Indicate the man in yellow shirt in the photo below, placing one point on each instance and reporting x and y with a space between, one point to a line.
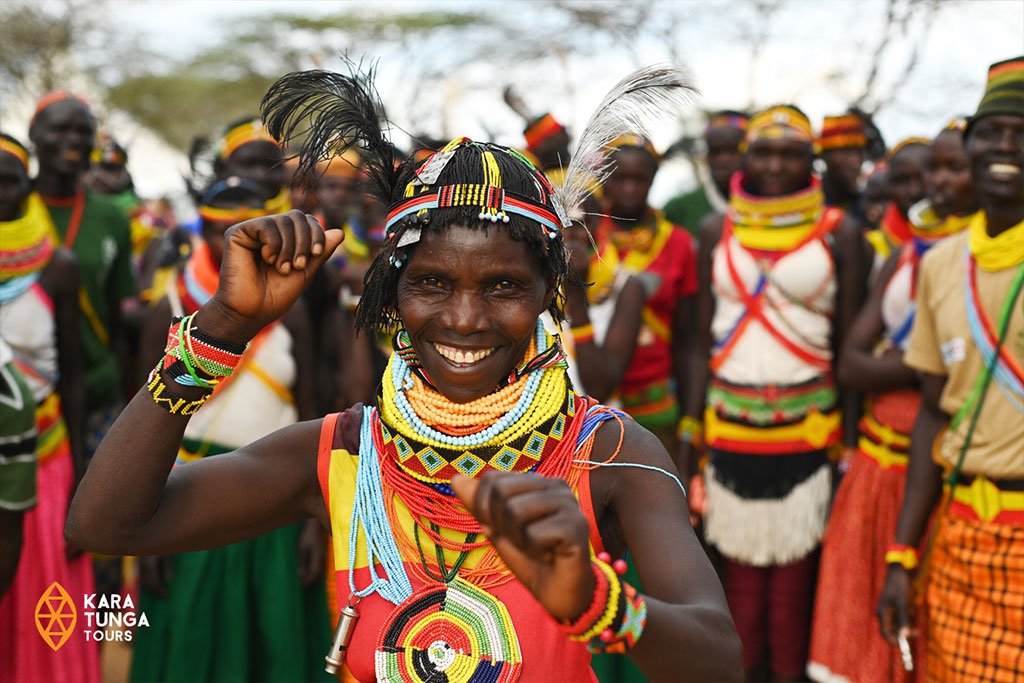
968 441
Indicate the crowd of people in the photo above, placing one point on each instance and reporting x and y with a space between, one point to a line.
522 364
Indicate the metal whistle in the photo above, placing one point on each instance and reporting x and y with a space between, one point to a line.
346 623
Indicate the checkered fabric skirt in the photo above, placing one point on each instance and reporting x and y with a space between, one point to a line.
975 599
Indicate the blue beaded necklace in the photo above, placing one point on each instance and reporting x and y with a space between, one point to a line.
402 380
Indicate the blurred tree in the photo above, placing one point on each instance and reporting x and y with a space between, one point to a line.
35 44
226 82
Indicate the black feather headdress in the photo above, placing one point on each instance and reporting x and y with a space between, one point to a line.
330 113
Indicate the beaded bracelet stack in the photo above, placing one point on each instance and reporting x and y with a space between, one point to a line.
904 555
616 617
192 358
690 430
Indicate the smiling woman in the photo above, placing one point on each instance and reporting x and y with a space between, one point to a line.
473 529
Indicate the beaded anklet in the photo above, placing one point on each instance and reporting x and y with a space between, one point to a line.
616 617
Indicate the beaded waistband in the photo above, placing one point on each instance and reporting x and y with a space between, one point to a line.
883 444
771 404
815 431
981 499
653 405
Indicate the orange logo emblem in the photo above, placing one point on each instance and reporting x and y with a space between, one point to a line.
55 616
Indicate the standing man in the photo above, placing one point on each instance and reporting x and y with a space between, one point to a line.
63 131
722 136
968 441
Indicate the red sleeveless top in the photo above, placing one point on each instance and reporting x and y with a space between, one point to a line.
547 654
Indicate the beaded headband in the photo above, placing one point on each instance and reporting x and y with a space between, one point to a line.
631 140
778 123
959 123
237 215
345 165
109 156
540 130
215 215
727 121
242 134
53 97
906 143
15 150
842 131
108 151
495 202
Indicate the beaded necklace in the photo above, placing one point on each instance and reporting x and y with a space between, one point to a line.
773 226
540 431
1006 370
895 228
640 245
602 270
27 242
511 429
927 228
432 509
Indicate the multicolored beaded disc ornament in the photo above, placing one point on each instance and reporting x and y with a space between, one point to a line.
452 632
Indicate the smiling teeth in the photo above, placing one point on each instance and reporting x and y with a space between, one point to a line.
460 356
1004 169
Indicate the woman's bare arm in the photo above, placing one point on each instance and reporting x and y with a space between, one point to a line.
690 634
538 529
859 369
61 281
851 276
131 502
700 349
601 366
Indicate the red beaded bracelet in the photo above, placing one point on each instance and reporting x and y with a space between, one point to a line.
616 616
585 621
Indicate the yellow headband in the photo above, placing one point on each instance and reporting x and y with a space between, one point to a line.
906 143
15 150
238 215
631 140
778 123
345 165
242 134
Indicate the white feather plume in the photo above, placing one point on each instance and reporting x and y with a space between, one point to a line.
651 94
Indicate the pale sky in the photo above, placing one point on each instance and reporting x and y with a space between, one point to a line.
817 59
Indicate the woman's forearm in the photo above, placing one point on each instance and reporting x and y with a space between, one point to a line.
132 464
924 483
862 371
688 643
602 366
